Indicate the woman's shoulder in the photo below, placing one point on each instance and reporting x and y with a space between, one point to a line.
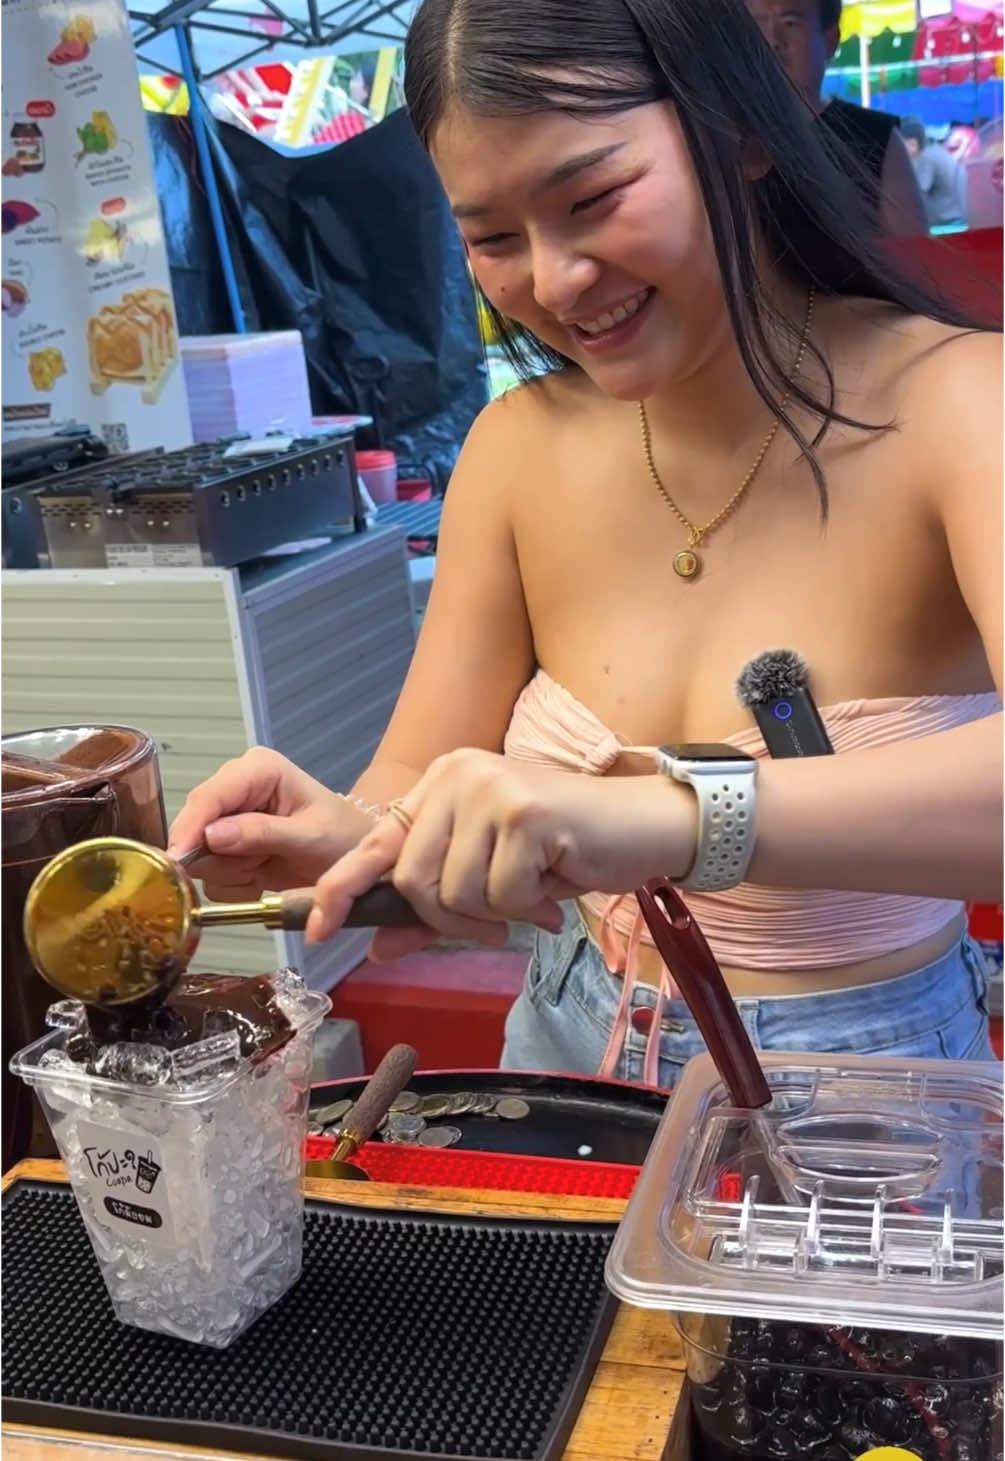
539 408
520 438
920 368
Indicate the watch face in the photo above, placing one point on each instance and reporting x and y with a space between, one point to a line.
705 751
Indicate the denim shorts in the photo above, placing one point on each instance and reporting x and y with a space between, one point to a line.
563 1018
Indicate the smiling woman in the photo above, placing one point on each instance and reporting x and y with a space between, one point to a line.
742 442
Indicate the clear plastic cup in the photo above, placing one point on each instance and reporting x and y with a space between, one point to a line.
191 1190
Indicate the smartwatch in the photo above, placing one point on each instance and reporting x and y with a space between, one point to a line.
724 781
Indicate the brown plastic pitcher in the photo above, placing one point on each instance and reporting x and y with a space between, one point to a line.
61 785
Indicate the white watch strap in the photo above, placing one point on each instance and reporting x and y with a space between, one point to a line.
726 822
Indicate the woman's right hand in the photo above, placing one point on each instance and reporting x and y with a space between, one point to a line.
268 825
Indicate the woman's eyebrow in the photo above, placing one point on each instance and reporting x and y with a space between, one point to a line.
571 168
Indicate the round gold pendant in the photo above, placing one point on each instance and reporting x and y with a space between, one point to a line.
686 563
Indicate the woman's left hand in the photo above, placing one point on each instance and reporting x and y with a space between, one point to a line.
492 840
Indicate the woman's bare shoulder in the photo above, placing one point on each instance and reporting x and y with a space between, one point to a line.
917 370
546 404
903 344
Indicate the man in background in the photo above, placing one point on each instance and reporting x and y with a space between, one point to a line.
804 35
937 172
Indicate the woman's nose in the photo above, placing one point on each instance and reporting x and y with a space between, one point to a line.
561 278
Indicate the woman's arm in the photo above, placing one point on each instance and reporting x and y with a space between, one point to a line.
268 824
475 651
923 816
496 839
918 817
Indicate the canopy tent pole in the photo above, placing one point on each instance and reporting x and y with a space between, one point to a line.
195 106
864 52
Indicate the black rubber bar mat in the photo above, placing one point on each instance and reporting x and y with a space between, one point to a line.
408 1335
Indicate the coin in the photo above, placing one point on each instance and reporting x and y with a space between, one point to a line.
484 1105
403 1127
440 1136
315 1131
462 1103
406 1101
328 1115
512 1108
434 1106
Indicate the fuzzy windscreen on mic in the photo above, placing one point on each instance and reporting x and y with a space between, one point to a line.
774 675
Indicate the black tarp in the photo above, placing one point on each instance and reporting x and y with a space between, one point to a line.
354 247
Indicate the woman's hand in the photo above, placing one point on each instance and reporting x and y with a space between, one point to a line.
268 825
492 840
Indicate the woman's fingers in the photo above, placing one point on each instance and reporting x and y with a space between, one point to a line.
245 784
353 874
395 943
518 886
414 859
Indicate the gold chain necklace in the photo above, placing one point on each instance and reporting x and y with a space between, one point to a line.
687 563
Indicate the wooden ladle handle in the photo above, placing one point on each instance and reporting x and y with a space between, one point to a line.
381 907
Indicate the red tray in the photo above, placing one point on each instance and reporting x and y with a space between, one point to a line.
495 1171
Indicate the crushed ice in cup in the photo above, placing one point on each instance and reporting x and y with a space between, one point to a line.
292 995
211 1133
217 1055
133 1063
66 1014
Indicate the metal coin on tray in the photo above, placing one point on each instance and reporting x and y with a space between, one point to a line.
403 1126
328 1115
462 1104
434 1106
406 1102
315 1130
440 1136
512 1108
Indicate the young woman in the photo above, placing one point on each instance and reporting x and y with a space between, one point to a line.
740 444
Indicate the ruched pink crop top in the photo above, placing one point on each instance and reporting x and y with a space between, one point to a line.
752 927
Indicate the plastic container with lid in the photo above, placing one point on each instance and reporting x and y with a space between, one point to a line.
865 1315
378 471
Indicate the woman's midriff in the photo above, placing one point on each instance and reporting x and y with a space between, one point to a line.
774 984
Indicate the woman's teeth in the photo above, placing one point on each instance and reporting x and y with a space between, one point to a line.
615 316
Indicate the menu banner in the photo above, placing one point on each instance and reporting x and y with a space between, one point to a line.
89 330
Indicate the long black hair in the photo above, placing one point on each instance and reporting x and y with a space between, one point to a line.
594 57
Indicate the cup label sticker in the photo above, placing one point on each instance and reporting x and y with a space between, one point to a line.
126 1179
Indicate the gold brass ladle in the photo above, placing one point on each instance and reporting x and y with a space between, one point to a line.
113 922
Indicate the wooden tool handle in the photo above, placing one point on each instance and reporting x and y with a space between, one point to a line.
388 1081
382 907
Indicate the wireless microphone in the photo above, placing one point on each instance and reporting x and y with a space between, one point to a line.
774 687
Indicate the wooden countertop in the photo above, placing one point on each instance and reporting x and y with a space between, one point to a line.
627 1412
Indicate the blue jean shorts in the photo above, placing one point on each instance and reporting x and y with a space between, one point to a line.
563 1018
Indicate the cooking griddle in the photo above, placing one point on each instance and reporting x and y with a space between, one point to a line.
408 1335
572 1117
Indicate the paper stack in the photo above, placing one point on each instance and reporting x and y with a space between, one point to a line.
254 383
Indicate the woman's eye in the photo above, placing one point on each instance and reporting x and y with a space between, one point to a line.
491 240
586 204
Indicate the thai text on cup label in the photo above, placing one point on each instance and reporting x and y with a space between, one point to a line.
127 1182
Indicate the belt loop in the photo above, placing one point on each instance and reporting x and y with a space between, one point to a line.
977 967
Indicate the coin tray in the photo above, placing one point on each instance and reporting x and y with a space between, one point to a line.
408 1335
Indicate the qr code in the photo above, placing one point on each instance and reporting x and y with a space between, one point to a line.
115 435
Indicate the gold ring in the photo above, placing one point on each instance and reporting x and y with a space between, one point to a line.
396 810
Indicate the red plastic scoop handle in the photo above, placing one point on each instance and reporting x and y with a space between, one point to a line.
683 949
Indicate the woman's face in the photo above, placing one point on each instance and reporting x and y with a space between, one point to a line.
591 232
